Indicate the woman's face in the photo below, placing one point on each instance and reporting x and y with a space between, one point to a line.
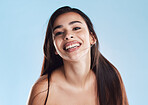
71 36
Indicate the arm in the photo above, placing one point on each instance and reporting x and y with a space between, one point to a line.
38 92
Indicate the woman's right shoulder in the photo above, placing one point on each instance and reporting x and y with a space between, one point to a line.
42 79
41 84
39 91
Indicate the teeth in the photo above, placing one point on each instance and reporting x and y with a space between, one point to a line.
72 46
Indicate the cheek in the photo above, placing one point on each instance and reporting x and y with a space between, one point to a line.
57 43
84 36
83 33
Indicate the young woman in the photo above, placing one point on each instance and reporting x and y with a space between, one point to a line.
74 72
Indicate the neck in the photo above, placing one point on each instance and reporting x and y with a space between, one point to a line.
78 73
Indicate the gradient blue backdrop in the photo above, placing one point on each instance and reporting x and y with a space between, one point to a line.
121 26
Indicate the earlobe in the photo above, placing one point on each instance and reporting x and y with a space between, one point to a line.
92 39
93 43
56 53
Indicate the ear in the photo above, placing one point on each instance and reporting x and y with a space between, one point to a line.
92 39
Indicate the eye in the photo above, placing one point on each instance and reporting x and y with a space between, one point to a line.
59 33
76 28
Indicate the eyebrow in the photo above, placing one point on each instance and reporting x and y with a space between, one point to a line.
74 22
60 26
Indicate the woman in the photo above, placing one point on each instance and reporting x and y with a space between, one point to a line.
74 72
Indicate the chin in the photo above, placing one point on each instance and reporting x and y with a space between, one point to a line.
77 57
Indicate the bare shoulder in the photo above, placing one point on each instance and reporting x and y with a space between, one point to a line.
39 91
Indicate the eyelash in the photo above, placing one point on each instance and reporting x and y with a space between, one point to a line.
59 33
74 29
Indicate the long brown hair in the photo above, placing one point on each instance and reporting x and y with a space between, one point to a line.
110 88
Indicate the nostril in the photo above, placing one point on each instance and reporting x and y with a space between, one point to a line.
68 38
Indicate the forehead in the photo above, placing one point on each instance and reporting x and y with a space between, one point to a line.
68 17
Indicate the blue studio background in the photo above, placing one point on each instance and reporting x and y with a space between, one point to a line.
121 26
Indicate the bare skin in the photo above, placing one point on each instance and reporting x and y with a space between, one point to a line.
74 83
63 93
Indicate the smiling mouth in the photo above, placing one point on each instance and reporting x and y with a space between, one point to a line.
72 46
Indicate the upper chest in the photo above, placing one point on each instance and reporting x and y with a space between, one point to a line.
61 96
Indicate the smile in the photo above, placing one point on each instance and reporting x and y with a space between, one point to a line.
72 46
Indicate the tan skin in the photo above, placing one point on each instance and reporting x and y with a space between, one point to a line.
74 83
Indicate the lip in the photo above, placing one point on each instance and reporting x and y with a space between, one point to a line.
70 43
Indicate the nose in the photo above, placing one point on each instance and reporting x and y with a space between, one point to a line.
68 36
